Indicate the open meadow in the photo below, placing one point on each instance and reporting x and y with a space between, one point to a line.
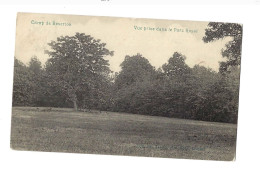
64 130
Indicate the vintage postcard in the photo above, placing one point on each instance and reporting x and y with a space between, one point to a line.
126 86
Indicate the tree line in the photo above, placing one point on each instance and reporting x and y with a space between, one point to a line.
77 75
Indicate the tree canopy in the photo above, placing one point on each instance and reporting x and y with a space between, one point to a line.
77 62
176 66
78 75
133 69
35 65
232 50
23 84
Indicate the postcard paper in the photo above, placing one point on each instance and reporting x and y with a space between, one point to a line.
126 86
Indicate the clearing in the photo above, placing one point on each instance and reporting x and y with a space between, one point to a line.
64 130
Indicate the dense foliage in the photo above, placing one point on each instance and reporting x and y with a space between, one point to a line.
232 50
77 67
77 75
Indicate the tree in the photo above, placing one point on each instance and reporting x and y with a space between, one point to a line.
37 79
23 84
232 85
201 83
77 62
225 97
214 96
232 51
134 68
176 66
132 83
35 65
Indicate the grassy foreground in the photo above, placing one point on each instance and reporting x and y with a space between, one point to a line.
64 130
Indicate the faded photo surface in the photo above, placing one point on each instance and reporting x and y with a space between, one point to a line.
126 86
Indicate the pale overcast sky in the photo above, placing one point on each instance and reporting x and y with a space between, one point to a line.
121 37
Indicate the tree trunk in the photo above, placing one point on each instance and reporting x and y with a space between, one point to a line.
73 97
75 105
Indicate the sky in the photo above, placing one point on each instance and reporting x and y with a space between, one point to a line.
121 36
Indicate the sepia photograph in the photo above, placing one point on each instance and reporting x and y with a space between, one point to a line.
126 86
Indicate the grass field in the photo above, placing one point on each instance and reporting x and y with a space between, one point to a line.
64 130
